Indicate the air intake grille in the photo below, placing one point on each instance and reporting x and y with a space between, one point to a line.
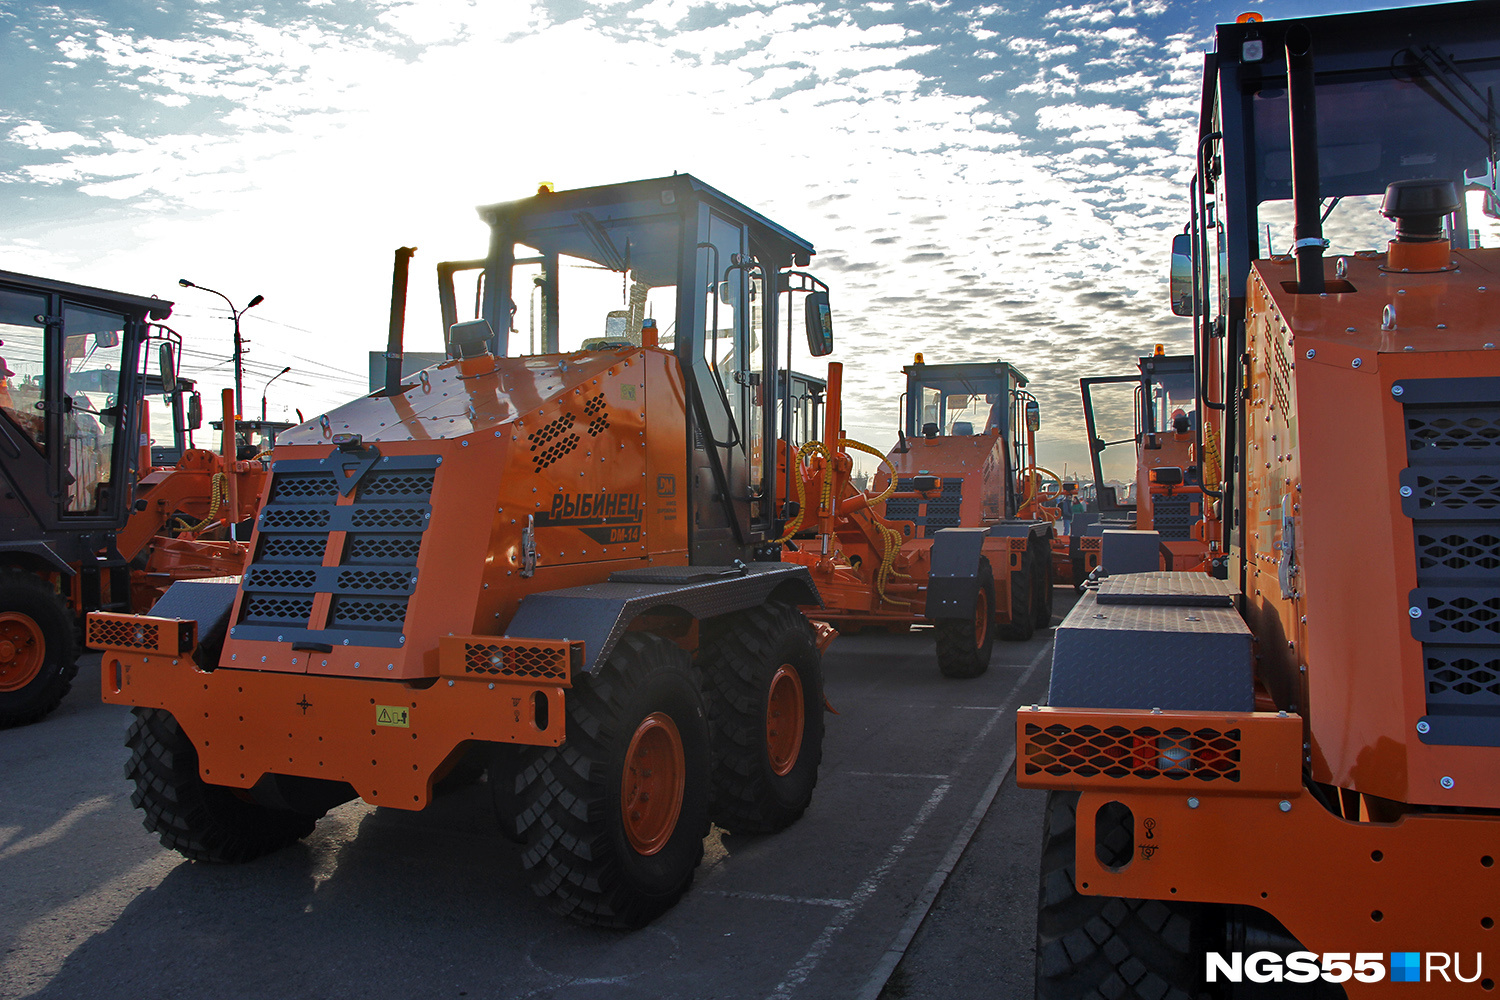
552 442
373 573
1451 492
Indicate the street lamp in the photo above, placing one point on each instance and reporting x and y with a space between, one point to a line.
263 395
239 349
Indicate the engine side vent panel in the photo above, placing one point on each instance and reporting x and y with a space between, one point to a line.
1451 492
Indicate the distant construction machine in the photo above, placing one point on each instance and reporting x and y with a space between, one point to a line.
77 531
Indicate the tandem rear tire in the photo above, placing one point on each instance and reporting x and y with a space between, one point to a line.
198 820
1022 624
614 819
964 645
1104 946
1042 584
38 648
764 683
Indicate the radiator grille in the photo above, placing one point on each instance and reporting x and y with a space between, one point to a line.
380 527
1451 492
940 510
1453 430
1461 676
1200 755
1173 517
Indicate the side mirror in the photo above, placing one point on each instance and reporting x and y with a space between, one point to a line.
107 338
819 316
167 364
1033 416
1182 275
195 412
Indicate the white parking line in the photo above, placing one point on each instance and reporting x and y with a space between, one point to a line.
895 774
775 897
902 941
809 962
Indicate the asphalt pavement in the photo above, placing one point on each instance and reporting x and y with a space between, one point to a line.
913 874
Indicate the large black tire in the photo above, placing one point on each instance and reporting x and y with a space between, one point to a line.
1042 579
764 681
581 855
38 648
198 820
1022 624
1104 946
964 645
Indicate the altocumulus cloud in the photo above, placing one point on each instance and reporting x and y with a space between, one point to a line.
984 181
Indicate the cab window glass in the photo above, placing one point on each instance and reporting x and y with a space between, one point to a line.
21 362
93 345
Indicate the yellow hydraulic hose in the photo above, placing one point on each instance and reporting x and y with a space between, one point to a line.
220 492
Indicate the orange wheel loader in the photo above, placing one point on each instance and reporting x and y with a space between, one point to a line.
559 564
1287 783
81 518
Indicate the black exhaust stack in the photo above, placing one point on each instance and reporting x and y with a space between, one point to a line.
393 346
1302 117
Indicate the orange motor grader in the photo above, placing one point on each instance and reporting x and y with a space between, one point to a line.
936 540
1156 412
1287 782
562 564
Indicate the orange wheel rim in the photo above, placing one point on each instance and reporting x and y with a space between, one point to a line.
981 617
651 787
22 650
784 719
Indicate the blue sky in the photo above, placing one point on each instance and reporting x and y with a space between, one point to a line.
997 180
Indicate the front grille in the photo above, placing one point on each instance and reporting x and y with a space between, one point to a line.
1451 492
939 510
1452 431
373 570
1173 516
1461 676
1176 754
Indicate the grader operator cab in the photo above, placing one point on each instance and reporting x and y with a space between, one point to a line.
562 564
1155 413
1289 777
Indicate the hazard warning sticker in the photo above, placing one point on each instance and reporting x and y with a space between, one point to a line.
393 715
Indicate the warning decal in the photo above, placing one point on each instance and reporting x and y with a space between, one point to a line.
393 715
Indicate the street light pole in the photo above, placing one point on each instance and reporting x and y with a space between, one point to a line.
239 346
263 395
